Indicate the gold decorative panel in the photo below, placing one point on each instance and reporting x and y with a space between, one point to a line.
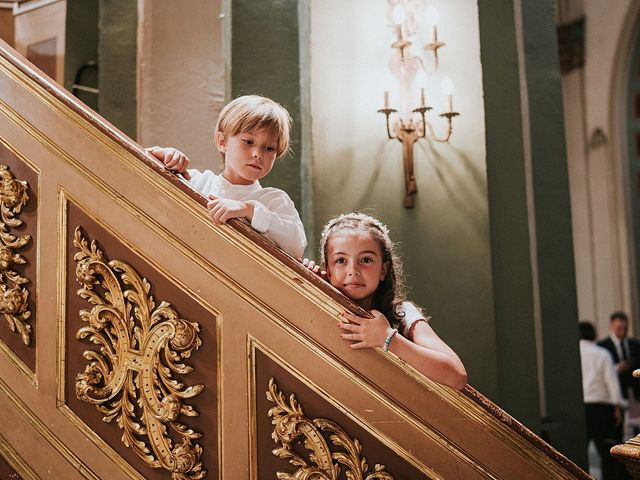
291 424
326 436
130 379
14 302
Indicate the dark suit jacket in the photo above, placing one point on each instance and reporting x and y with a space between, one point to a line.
626 378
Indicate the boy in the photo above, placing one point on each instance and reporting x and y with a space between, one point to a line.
251 133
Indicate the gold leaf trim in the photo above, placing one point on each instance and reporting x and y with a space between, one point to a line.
141 346
14 298
290 424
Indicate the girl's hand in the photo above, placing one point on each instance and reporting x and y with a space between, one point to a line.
222 209
311 265
365 332
172 158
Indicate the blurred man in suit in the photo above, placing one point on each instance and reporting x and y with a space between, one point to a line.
625 353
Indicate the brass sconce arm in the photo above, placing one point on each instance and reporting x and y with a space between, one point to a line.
408 133
423 120
447 136
388 112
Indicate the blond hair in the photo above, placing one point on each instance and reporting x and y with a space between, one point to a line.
390 293
254 112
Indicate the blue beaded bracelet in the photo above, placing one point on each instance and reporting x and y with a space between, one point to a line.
385 347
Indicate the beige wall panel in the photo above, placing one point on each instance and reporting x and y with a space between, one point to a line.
24 441
12 466
581 201
7 25
181 77
39 25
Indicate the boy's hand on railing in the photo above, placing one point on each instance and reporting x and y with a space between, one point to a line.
223 209
311 265
172 158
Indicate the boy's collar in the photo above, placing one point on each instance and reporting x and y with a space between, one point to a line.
252 186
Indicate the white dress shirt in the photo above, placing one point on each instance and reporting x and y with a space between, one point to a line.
274 213
599 378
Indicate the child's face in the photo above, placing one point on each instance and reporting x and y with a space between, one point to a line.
248 156
355 266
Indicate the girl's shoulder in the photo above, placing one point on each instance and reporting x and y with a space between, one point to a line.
408 314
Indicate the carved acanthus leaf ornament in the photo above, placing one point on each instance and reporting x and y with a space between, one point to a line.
131 377
290 424
14 298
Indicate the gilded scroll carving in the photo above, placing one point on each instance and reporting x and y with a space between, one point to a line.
131 377
14 301
290 424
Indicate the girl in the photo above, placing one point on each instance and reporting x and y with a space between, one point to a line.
361 262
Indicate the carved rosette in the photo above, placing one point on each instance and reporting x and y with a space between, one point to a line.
290 424
14 298
130 378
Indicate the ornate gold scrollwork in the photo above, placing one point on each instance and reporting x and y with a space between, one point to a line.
291 424
14 298
130 379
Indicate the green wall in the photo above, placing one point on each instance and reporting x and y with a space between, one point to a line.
531 243
554 242
81 46
106 33
509 218
117 53
265 60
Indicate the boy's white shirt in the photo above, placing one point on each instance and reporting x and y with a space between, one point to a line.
274 213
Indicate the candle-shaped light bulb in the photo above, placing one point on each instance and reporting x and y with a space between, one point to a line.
432 19
422 100
447 86
432 15
447 89
421 78
398 14
386 99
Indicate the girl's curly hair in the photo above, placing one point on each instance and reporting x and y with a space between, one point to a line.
391 291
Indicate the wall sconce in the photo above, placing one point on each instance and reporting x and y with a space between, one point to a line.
411 124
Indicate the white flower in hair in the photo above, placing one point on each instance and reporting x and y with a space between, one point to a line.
345 218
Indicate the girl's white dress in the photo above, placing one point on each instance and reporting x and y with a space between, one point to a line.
412 314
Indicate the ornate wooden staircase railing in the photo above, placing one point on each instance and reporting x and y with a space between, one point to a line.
141 341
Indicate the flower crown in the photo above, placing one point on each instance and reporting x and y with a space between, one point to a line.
363 217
